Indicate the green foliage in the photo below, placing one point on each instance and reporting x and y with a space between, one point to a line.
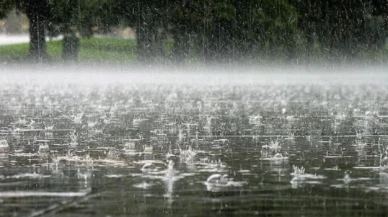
8 5
77 16
225 11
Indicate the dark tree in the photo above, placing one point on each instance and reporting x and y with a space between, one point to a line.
38 12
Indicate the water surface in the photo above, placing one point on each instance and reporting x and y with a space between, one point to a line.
186 150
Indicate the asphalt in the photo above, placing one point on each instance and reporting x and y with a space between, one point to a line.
6 39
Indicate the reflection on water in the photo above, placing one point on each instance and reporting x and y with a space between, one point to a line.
160 151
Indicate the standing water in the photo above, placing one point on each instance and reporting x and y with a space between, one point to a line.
164 148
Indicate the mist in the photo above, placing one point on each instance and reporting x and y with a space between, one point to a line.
105 74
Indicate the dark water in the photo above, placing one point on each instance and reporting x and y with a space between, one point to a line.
285 150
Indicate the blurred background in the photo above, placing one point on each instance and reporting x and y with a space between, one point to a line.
192 31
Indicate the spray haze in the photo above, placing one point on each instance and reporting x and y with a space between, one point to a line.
214 75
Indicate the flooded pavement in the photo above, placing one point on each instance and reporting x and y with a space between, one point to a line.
6 39
180 150
10 39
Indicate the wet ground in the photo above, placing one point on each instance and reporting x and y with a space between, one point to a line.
178 150
6 39
9 39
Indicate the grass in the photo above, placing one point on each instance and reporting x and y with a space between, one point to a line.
109 50
114 50
13 52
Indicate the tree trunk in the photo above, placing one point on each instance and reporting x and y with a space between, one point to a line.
71 44
144 44
181 46
37 38
211 45
144 33
37 12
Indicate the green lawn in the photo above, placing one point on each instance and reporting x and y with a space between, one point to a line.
108 50
114 50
